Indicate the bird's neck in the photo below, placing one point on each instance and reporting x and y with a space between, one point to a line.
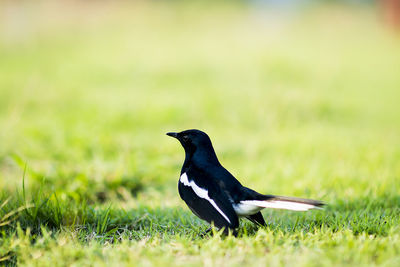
201 158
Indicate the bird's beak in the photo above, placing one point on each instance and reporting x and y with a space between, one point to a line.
172 134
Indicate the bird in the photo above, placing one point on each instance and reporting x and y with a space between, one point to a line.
214 195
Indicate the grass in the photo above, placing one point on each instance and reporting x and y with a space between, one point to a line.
297 103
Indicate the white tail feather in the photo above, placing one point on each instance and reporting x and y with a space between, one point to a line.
280 204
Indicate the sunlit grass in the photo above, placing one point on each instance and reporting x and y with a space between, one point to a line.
297 103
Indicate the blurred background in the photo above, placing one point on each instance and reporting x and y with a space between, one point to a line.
299 97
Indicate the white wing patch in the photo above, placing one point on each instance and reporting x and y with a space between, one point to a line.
201 193
278 204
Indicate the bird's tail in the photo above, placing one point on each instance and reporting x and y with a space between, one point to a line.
287 203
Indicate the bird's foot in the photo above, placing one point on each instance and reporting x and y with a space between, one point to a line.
206 232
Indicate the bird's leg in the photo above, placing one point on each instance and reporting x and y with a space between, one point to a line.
226 231
234 232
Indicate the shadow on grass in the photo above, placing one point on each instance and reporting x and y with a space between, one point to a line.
106 223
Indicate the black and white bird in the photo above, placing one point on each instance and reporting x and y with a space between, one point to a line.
214 195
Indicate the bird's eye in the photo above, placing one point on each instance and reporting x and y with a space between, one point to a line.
185 138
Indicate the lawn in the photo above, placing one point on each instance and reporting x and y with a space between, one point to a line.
300 102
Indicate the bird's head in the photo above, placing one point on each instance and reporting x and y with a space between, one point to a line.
195 141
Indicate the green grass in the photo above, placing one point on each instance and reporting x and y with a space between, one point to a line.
301 104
